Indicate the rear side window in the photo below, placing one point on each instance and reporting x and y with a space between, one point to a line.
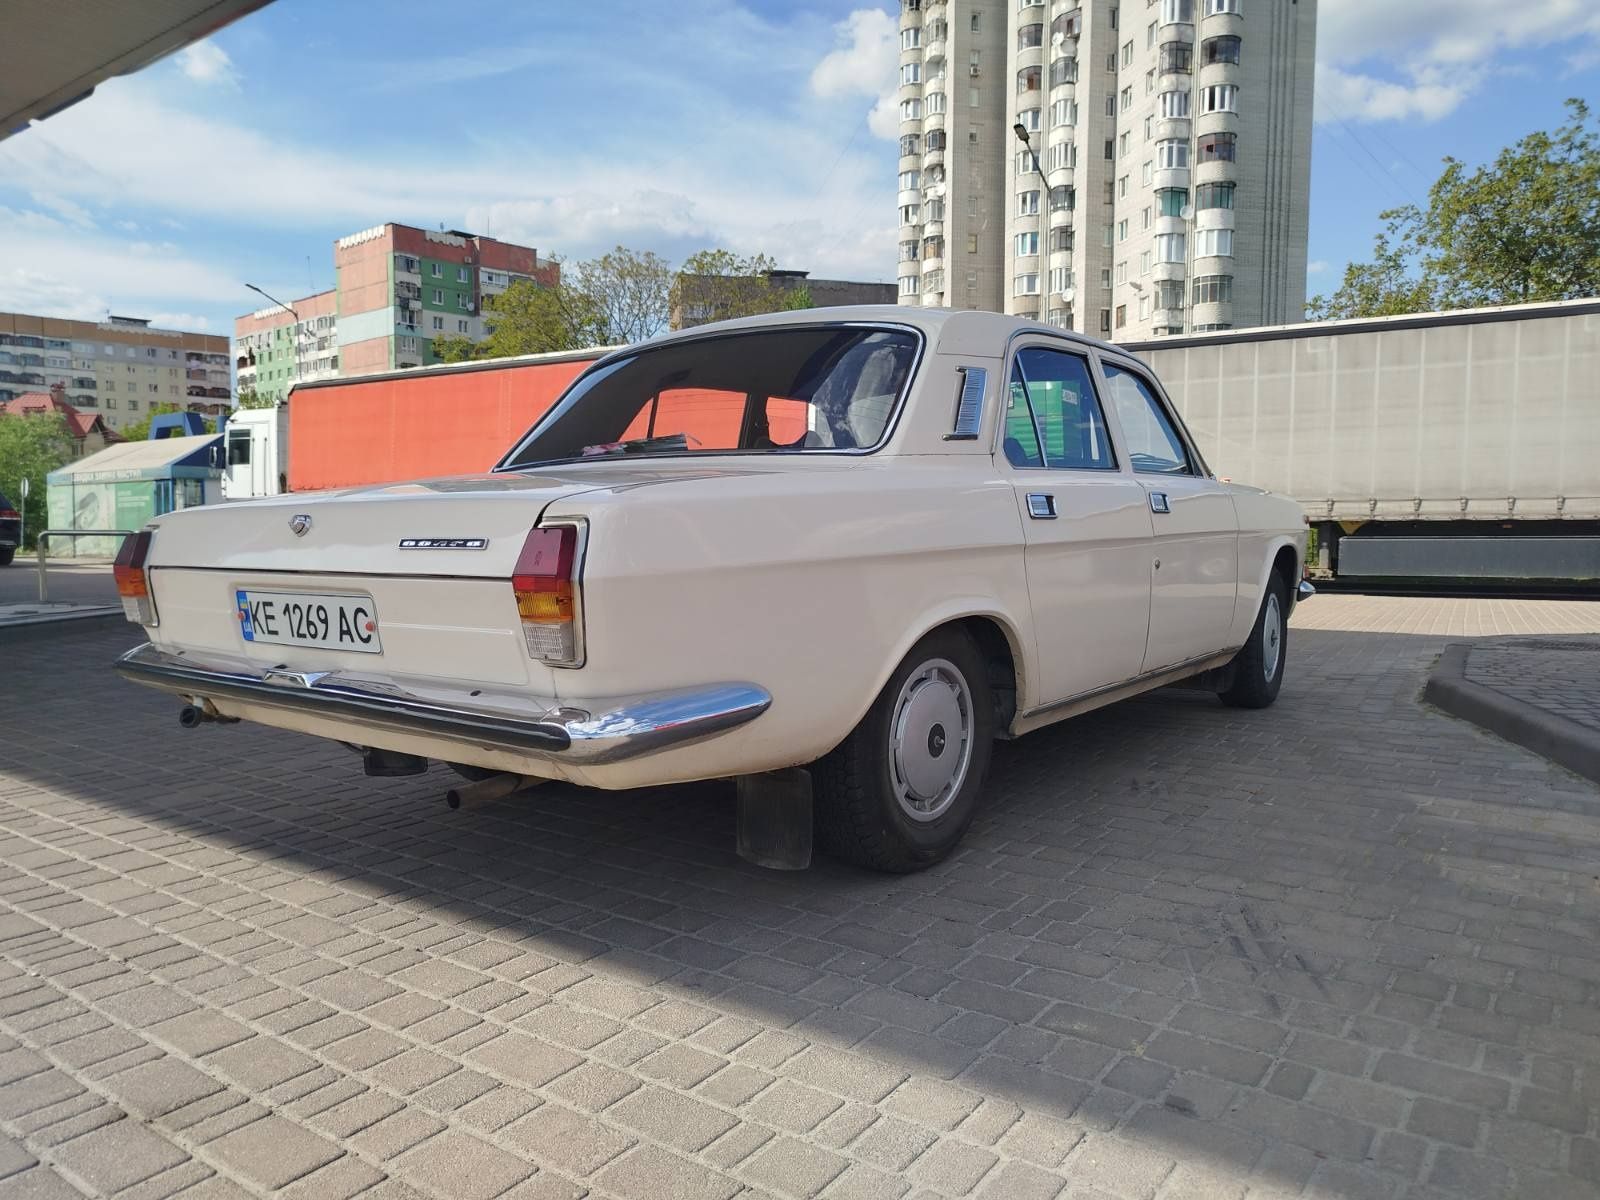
1154 446
1053 416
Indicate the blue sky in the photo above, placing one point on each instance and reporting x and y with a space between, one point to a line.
758 126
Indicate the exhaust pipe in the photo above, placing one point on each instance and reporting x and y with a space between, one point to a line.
192 716
487 791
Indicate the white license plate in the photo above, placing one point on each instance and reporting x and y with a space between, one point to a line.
309 619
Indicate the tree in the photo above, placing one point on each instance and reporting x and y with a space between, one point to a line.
253 399
720 285
529 319
631 289
1522 229
454 348
31 447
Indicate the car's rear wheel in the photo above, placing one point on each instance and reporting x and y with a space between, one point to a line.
900 791
1258 667
7 553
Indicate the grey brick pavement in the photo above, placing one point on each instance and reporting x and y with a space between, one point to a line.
1343 947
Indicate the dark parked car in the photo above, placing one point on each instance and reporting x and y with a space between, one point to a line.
10 531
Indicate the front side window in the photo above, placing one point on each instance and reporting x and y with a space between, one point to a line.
1154 446
1053 416
786 390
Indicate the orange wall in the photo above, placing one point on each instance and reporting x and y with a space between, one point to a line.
416 426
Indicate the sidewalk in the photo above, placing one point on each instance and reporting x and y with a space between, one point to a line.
1541 693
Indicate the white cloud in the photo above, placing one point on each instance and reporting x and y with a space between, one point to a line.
208 63
1386 60
863 64
1316 266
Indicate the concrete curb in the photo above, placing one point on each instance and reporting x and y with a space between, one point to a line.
27 629
1556 738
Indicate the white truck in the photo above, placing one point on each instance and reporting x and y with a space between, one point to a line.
257 441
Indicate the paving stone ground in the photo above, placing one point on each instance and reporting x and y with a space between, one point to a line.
1344 947
1559 676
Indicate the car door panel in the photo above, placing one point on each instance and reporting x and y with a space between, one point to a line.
1195 548
1086 528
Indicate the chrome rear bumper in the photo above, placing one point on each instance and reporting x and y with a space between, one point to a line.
576 732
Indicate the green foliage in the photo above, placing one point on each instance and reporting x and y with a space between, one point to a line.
1522 229
253 399
529 319
631 289
728 285
32 447
454 348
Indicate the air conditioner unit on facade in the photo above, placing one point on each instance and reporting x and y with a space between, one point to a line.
973 70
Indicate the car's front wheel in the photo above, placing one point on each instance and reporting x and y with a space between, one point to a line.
1258 667
900 791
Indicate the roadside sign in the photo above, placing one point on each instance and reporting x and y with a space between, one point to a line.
24 487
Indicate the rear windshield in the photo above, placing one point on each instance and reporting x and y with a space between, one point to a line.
791 390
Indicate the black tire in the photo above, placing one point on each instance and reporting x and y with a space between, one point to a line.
7 553
860 815
1254 686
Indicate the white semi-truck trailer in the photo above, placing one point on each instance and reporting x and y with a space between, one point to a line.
256 441
1455 445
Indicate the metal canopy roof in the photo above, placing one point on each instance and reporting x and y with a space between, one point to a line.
54 52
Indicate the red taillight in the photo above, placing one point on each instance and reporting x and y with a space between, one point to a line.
545 583
10 514
132 585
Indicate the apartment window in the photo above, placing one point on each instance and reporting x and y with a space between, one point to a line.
1144 306
1111 192
1030 36
1028 79
1127 54
1122 230
911 110
909 284
1028 204
1144 262
1122 272
111 402
1144 217
936 103
933 281
1173 104
1105 278
908 214
1169 294
1172 153
133 406
1213 195
908 145
1061 110
1063 70
1213 243
1170 201
1111 61
1061 240
1105 320
1213 289
1024 161
933 210
1111 104
910 39
1122 315
1025 4
1067 24
1063 156
1177 11
1149 128
1219 97
976 24
935 140
153 387
909 251
1150 36
1215 8
1219 50
1060 280
933 247
1105 234
1122 145
461 275
1169 247
1177 58
972 135
972 98
1147 173
972 243
438 295
1122 186
910 73
1215 147
438 322
1111 149
1213 328
908 183
1150 82
463 300
1062 198
1026 284
1030 118
437 270
1127 98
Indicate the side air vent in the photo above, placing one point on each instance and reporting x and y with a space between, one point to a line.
969 406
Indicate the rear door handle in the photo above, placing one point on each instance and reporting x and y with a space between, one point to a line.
1158 503
1041 506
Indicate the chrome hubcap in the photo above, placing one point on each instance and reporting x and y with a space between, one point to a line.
1272 637
930 739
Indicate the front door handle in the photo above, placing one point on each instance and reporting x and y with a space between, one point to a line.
1041 506
1158 503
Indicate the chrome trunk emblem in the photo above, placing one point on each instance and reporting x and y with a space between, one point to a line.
300 522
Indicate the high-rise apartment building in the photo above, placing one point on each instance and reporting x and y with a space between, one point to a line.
1164 184
119 368
398 287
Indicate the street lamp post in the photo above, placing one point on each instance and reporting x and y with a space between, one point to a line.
294 331
1042 257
